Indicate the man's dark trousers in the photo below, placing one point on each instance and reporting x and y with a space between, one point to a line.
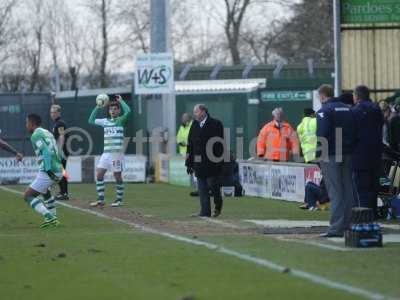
366 184
63 184
204 186
314 193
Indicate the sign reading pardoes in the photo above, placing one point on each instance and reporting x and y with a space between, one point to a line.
154 74
370 11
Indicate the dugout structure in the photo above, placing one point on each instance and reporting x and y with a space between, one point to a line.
238 102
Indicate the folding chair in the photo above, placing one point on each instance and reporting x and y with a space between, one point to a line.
387 189
396 182
389 192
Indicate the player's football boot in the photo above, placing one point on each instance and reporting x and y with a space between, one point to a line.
50 221
99 204
62 197
117 203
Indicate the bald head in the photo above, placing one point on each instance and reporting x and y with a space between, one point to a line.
186 118
278 114
200 112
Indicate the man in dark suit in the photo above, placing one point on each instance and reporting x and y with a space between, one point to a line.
367 156
205 157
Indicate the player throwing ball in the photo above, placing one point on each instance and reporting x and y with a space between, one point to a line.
50 171
113 157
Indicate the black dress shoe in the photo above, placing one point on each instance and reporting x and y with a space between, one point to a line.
199 216
330 235
217 213
194 194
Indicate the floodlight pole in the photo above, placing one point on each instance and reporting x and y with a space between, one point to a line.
161 43
338 46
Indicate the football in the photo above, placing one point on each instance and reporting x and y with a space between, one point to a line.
102 100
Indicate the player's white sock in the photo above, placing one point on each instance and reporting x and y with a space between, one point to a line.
100 187
38 206
50 203
120 191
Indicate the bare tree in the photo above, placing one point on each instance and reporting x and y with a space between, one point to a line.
306 36
74 48
7 28
134 15
235 11
33 40
234 17
102 11
261 43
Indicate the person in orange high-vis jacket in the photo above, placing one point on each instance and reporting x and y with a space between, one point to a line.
277 139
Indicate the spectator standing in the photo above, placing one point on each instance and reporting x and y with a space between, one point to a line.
205 158
277 139
367 156
347 98
59 132
335 125
389 155
307 132
394 127
183 133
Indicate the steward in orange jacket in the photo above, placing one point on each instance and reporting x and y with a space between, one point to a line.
277 139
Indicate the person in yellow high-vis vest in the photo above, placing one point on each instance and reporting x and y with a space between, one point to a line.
306 131
183 133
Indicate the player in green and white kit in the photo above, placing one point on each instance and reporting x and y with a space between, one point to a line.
113 155
50 171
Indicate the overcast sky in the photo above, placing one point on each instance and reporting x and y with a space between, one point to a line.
208 24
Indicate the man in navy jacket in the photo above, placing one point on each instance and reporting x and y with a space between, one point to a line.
367 156
336 135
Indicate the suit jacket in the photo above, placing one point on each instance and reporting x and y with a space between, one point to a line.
204 165
368 148
332 116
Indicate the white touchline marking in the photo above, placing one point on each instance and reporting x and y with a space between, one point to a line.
100 233
279 223
312 243
221 249
288 223
317 244
221 223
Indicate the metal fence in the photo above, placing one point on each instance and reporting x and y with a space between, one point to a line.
13 111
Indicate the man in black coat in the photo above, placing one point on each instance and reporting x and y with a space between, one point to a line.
205 157
59 132
367 156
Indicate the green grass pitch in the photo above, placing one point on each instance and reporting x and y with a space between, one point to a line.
89 257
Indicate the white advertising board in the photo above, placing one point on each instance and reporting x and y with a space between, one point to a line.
134 169
154 74
276 181
255 179
13 172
